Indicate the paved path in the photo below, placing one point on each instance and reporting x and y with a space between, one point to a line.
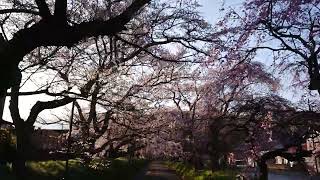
291 176
157 170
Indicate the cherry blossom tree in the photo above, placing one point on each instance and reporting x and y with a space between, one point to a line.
195 103
78 43
288 31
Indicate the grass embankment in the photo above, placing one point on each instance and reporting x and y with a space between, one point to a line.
119 169
188 172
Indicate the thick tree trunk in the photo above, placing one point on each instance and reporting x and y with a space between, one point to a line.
19 168
263 170
215 165
196 160
19 162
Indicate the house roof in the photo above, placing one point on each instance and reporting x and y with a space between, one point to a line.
59 131
5 122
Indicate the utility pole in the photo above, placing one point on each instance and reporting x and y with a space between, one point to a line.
3 94
2 102
69 141
315 157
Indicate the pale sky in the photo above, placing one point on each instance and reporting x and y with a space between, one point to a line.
213 9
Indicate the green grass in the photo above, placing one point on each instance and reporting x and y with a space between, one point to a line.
187 172
119 169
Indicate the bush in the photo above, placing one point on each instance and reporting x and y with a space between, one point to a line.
7 144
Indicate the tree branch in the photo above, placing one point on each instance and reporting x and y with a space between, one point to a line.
49 33
60 10
40 106
28 11
43 9
14 106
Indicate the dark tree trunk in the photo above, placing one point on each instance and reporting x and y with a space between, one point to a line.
19 162
19 168
215 165
196 161
215 161
22 134
263 170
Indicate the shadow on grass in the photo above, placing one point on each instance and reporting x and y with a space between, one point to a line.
188 172
153 177
119 169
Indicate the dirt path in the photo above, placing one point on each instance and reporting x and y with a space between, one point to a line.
157 170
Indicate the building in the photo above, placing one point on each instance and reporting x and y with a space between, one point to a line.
49 139
6 125
313 162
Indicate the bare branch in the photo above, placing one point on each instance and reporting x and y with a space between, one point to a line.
40 106
27 11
